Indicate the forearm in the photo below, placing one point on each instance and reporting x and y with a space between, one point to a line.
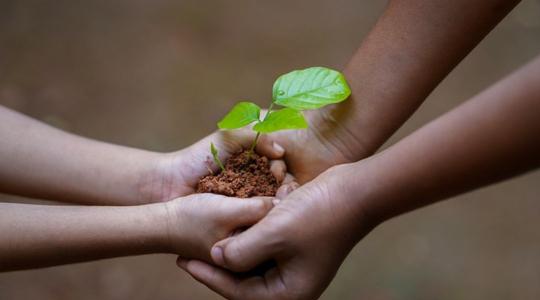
489 138
37 160
34 236
413 46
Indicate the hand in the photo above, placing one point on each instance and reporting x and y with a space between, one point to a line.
324 144
176 174
196 222
307 235
307 153
48 235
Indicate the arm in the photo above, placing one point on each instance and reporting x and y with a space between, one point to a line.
489 138
492 137
37 160
34 236
42 236
412 47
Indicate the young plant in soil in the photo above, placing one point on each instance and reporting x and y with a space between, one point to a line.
246 174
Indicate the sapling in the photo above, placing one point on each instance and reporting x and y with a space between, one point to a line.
299 90
214 152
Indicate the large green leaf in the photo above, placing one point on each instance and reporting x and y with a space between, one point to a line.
242 114
310 88
286 118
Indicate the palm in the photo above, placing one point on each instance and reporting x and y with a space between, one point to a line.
307 253
176 174
305 155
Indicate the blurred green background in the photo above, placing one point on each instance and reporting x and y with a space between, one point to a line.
159 74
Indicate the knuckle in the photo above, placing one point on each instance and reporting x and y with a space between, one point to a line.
233 257
261 207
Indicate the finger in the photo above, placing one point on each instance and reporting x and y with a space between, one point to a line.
288 186
278 169
227 284
245 251
218 280
245 212
181 263
288 178
267 147
282 192
286 189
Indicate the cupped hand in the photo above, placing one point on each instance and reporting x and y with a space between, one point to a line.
307 235
176 174
325 143
198 221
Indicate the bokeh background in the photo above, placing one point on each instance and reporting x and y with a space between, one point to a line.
159 74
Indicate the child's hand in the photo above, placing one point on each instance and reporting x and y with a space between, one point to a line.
176 174
198 221
307 236
48 235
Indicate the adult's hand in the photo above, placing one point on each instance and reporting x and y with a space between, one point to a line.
413 46
307 235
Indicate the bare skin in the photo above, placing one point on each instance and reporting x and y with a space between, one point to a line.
37 160
413 46
410 50
389 80
489 138
33 236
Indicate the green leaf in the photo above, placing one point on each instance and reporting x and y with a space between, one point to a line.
242 114
310 88
286 118
214 152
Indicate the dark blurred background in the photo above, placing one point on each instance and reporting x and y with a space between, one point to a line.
159 74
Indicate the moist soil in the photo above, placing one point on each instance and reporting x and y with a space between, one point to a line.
246 175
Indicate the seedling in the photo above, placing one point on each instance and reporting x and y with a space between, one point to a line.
299 90
216 157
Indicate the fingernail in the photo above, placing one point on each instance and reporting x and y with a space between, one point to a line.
277 147
276 201
217 256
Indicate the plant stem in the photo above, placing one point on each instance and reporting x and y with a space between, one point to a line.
254 144
214 152
220 164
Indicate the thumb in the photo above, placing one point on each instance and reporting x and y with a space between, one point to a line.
239 212
245 251
269 148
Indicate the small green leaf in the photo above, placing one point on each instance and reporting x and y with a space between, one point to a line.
310 88
214 152
213 149
242 114
286 118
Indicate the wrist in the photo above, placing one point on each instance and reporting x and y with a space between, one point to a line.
155 177
167 176
152 225
353 191
331 128
119 175
183 232
373 190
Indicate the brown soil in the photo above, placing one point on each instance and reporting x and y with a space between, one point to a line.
245 176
